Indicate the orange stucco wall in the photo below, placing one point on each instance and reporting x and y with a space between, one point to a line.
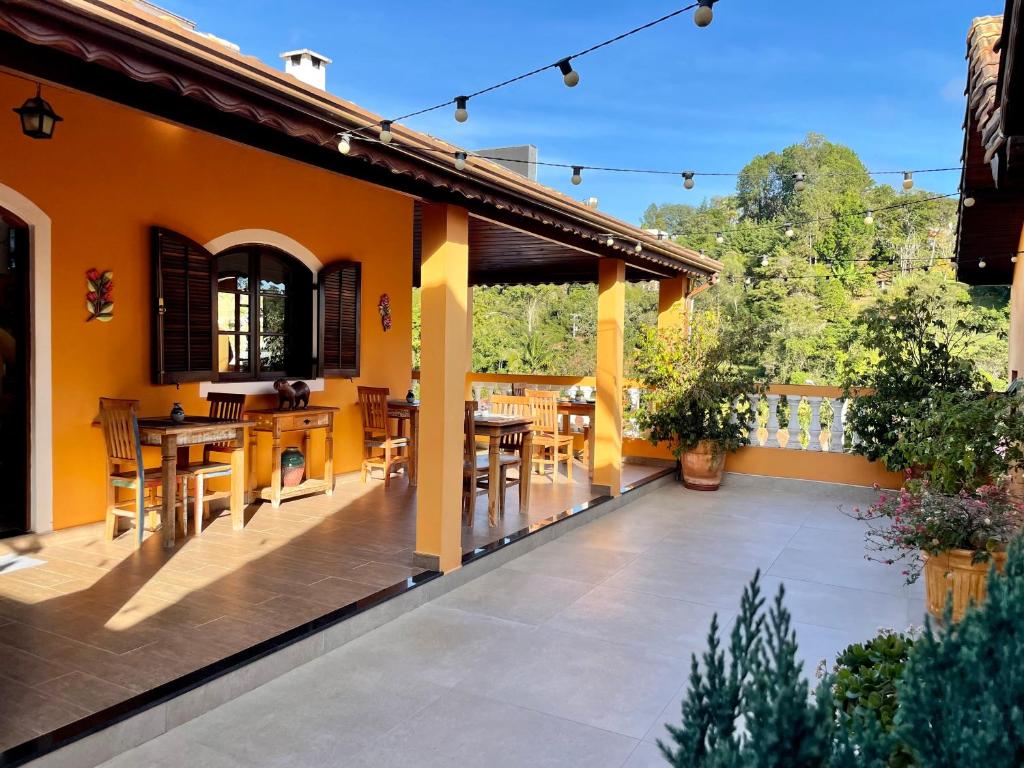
106 177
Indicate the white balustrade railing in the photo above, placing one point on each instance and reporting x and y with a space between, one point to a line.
813 423
810 423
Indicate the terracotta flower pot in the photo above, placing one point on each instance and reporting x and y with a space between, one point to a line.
953 573
702 468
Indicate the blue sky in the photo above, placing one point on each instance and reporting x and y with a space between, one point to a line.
885 78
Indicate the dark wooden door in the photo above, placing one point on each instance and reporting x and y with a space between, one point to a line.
14 379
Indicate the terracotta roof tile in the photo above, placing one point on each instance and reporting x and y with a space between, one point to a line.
982 81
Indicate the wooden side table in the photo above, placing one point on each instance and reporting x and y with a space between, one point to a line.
278 422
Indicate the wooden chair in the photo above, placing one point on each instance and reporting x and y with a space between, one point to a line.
511 445
225 406
550 447
476 468
120 422
373 405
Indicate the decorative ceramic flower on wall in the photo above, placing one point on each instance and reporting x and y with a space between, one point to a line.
384 307
99 299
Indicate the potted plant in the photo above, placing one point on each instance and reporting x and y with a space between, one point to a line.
692 387
952 538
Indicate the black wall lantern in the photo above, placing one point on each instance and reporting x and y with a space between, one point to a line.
37 117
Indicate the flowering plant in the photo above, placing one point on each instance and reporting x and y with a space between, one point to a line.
920 519
99 298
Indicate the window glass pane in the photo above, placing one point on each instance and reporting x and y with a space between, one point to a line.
273 276
272 351
233 269
272 314
243 314
227 305
233 353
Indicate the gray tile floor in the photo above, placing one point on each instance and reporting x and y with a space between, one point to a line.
573 654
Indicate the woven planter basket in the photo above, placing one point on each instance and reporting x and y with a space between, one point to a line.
953 573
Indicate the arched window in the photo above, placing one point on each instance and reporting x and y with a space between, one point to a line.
264 315
247 314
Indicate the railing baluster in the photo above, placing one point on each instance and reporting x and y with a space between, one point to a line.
814 434
773 421
753 424
793 429
835 442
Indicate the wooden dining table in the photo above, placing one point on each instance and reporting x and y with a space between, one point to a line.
174 440
495 427
569 408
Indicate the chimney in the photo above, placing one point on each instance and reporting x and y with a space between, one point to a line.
308 66
521 159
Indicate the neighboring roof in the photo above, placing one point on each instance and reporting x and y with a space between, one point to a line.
990 229
158 50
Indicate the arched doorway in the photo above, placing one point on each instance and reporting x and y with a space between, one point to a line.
15 373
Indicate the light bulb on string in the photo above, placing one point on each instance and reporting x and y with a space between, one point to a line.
609 240
460 161
345 143
908 180
569 75
1013 259
688 181
968 202
577 175
982 264
799 182
385 131
870 218
764 260
704 13
461 113
638 247
789 230
719 238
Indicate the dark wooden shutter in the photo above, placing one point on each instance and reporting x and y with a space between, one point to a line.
340 289
184 310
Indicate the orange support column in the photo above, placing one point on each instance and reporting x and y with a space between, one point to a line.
444 278
468 386
672 304
611 313
1017 316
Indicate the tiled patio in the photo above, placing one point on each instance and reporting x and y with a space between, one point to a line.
573 654
97 623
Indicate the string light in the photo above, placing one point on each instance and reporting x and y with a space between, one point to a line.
908 180
704 13
577 175
1013 259
638 247
869 219
719 238
688 179
345 143
982 264
461 113
569 75
609 240
789 230
799 184
460 161
968 202
385 131
764 260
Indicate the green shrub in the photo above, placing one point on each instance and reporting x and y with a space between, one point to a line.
962 693
866 678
